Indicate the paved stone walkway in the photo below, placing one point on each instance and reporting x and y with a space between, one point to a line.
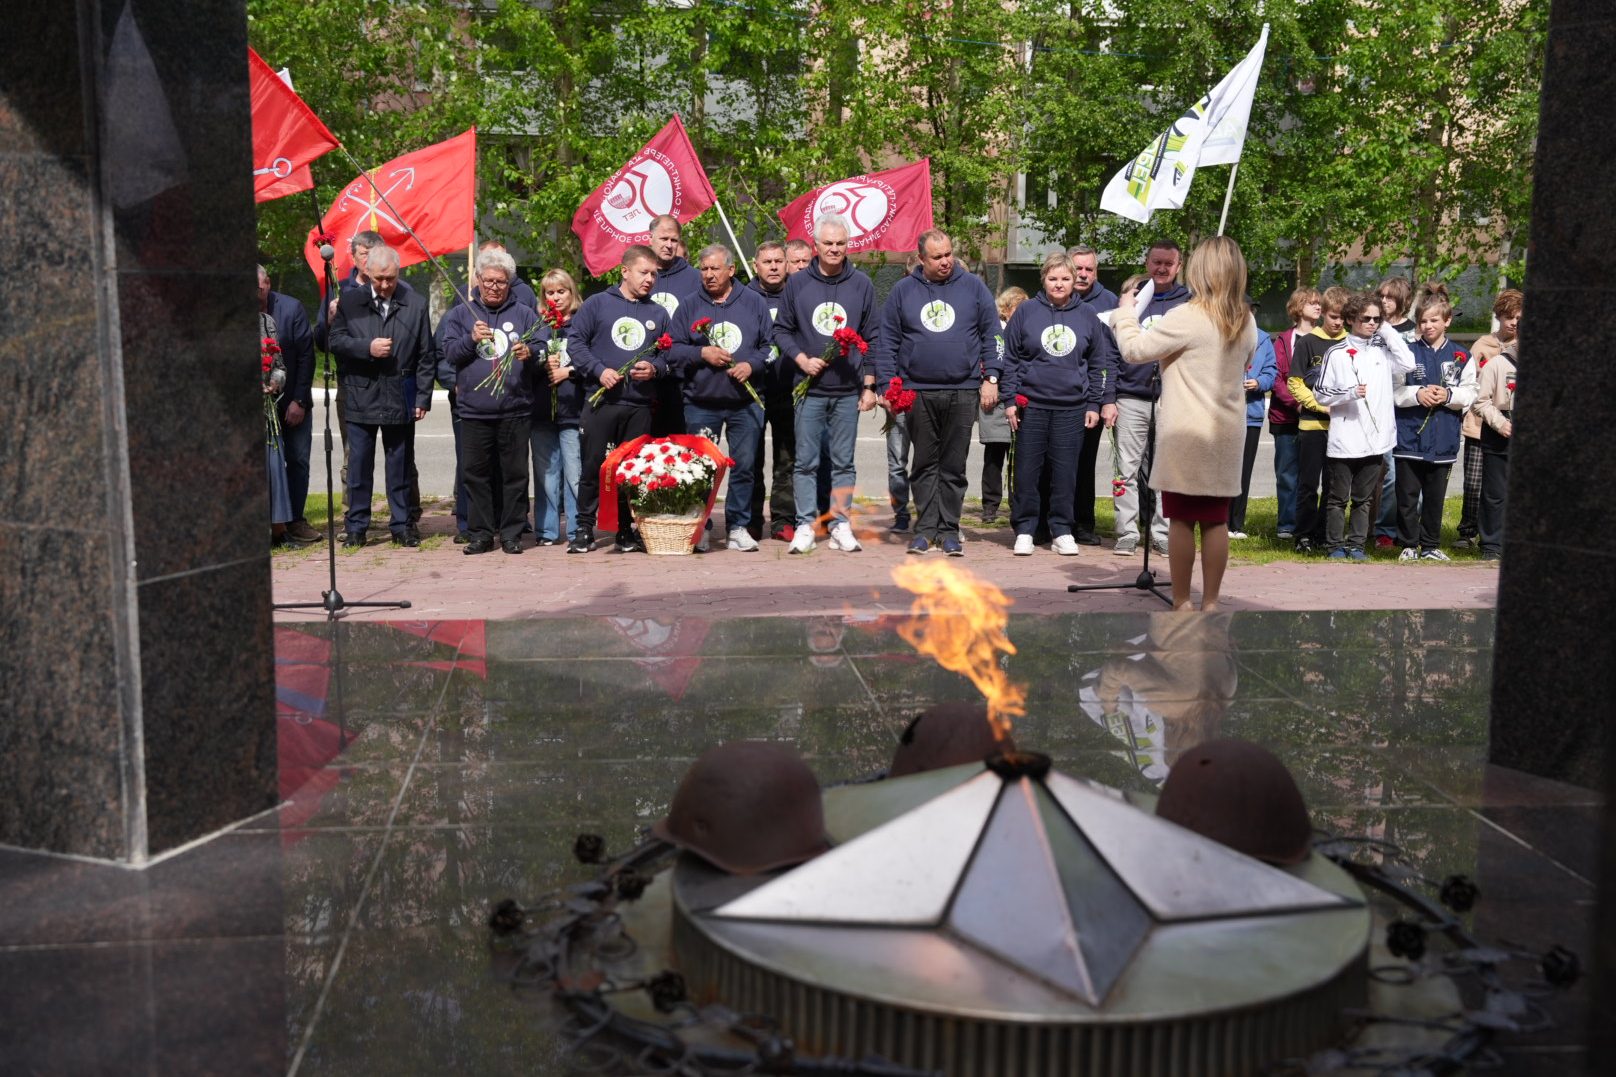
547 582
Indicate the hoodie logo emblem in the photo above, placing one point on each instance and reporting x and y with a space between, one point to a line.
726 335
493 349
628 334
666 300
828 317
937 316
1058 340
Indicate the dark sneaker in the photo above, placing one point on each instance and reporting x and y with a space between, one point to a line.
511 547
1304 545
582 542
1356 554
354 538
411 538
900 524
953 547
461 538
919 545
1087 538
630 543
477 546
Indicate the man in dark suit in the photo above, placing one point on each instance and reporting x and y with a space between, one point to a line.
296 402
382 339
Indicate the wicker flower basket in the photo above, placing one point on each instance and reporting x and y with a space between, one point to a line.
666 535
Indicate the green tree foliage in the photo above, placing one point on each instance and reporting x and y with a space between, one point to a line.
1404 129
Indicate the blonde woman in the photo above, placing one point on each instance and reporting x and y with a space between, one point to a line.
557 455
1202 347
993 429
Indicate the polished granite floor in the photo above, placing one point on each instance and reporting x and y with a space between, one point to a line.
431 768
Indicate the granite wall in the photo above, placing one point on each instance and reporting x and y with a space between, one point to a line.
1554 669
136 665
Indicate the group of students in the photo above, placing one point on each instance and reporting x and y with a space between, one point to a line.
1372 402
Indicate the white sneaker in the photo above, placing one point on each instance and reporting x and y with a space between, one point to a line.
803 540
740 540
1233 535
1409 554
841 538
1065 545
1023 546
705 542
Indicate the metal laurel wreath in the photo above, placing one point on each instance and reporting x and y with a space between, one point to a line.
547 942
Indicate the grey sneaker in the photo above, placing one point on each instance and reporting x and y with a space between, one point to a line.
1159 547
1126 547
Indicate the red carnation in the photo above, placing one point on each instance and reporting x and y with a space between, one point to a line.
1481 364
1461 356
699 326
838 319
1510 385
1021 401
1352 352
664 342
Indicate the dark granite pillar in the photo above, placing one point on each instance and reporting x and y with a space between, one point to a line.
1554 672
1554 668
136 672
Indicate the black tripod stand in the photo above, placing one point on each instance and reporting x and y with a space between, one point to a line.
1146 580
332 601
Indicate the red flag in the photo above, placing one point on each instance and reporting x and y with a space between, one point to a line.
287 135
432 190
885 211
664 177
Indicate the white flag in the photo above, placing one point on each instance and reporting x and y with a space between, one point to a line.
1213 132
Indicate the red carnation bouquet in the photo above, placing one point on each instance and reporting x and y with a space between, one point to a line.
556 318
665 478
900 401
273 373
660 344
698 329
841 342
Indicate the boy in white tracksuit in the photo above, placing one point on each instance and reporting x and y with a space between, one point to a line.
1355 383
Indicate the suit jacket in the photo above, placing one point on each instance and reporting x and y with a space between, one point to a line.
297 349
375 390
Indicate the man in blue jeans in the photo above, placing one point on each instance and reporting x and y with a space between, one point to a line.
720 353
830 294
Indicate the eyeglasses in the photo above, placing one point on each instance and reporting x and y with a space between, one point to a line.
1369 318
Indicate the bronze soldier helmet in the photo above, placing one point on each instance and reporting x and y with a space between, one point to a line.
747 806
1237 793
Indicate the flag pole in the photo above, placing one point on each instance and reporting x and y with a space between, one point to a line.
725 218
1228 195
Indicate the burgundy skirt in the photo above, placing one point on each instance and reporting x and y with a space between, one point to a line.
1195 509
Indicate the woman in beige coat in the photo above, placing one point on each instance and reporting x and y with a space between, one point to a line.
1203 347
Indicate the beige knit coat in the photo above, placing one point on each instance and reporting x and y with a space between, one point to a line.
1201 419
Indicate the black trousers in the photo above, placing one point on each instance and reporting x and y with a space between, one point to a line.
609 424
1355 480
485 443
994 454
780 428
940 439
1047 448
668 417
1312 446
1494 488
1420 481
1237 507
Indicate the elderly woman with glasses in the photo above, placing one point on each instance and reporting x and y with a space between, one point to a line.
1356 384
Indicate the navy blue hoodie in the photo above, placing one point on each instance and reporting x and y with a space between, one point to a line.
940 335
569 395
674 288
1139 379
1055 356
608 331
808 310
510 321
741 326
777 375
1101 300
1435 440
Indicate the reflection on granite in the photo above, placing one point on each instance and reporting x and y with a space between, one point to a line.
429 769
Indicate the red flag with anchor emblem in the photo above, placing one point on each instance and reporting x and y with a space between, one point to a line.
430 193
287 135
885 211
664 177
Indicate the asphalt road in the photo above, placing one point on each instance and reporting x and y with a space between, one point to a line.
434 457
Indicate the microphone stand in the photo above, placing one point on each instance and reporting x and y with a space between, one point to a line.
331 601
1146 581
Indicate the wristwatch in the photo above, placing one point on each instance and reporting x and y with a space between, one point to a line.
993 379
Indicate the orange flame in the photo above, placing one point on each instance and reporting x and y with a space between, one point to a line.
958 621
